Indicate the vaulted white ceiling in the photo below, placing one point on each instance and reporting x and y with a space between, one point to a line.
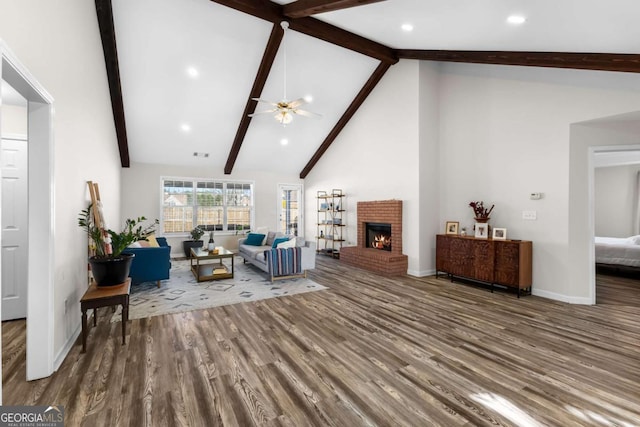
158 40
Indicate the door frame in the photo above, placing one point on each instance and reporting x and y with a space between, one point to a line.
299 187
40 313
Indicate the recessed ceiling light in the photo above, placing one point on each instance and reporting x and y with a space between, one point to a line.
516 19
284 141
308 98
192 72
407 27
185 127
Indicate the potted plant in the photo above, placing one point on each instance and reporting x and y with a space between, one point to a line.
195 241
109 265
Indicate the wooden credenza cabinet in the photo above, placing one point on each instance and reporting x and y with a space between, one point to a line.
501 262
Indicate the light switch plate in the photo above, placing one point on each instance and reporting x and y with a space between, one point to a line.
529 215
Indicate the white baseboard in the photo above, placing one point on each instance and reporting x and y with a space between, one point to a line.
561 298
62 354
423 273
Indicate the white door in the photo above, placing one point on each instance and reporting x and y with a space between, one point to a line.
13 164
290 209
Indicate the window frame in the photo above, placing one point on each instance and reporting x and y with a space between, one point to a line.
225 205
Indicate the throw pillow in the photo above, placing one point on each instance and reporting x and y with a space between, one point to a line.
254 239
135 245
270 238
291 243
262 230
279 240
153 243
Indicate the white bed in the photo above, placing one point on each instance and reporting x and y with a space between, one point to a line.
618 251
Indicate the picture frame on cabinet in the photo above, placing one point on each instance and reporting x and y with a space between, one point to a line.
499 234
482 230
452 227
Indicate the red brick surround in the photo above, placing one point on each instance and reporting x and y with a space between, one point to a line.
383 262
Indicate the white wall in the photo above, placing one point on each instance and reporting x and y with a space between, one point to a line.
141 189
376 157
615 199
429 122
505 132
60 44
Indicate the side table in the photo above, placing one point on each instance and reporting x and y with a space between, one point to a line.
105 296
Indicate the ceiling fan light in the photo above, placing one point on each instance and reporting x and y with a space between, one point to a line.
284 117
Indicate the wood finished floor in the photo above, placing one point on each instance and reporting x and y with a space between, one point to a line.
369 351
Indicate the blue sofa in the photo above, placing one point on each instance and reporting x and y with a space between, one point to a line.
150 264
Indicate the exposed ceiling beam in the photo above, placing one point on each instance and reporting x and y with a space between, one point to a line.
108 36
258 84
302 8
273 12
351 110
583 61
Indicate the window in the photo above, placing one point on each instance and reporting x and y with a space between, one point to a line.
209 204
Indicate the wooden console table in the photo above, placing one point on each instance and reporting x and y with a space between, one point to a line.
501 262
105 296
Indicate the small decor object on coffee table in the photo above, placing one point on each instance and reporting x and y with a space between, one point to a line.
452 227
211 246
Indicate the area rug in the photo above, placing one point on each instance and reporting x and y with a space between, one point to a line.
182 293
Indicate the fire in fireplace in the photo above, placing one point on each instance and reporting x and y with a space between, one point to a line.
378 236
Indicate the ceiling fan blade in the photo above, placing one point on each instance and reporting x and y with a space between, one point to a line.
265 101
298 102
263 112
307 114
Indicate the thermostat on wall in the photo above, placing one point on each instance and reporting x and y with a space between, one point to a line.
535 196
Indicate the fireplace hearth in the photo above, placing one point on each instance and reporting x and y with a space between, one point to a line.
379 247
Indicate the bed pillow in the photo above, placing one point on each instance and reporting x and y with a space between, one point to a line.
254 239
634 240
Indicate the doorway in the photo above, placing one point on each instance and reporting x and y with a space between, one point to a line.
14 229
290 208
40 254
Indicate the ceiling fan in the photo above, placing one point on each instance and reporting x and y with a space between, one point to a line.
284 110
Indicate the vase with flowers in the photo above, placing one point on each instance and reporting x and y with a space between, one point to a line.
481 213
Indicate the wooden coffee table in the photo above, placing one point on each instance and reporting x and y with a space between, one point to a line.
204 269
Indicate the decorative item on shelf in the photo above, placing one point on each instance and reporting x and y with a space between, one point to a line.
481 213
482 230
109 265
463 231
452 227
211 245
321 234
499 234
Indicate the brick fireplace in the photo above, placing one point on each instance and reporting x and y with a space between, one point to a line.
371 253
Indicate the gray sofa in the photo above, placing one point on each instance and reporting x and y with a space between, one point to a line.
256 254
